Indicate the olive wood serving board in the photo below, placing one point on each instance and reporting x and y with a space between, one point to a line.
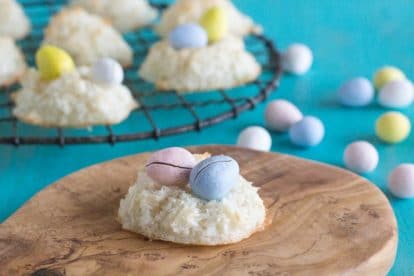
326 221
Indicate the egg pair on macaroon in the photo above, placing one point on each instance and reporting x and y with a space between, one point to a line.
59 94
199 56
192 199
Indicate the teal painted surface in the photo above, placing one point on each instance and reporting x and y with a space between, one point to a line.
349 38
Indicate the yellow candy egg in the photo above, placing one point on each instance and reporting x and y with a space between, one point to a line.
393 127
387 74
52 62
214 21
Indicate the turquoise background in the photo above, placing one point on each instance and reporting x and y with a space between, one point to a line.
349 38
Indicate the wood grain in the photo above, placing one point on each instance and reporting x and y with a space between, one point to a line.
326 221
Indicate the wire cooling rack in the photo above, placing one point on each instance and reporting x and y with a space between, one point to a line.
160 113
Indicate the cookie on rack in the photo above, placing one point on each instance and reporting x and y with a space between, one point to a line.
192 199
57 94
12 63
200 57
87 37
125 15
187 11
13 20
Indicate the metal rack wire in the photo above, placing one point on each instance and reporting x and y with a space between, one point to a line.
234 101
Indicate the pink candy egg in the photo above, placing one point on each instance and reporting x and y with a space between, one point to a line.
171 166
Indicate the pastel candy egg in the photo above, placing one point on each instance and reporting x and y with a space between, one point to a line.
53 62
401 181
256 138
297 59
308 132
356 92
396 94
188 36
170 166
107 71
393 127
213 178
361 157
280 115
215 22
387 74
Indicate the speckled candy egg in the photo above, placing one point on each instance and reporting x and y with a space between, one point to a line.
297 59
256 138
215 22
356 92
171 166
53 62
213 178
107 71
308 132
393 127
280 115
361 157
188 36
396 94
387 74
401 181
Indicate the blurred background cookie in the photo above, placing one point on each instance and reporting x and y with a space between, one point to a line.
13 21
125 15
12 63
87 37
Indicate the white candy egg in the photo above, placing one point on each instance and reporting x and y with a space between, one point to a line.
401 181
297 59
396 94
107 71
256 138
280 115
361 157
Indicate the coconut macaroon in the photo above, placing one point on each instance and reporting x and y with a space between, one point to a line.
12 63
180 214
73 100
221 65
13 21
125 15
87 37
58 94
185 11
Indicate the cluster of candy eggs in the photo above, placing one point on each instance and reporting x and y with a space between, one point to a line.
212 27
283 116
53 62
210 179
395 92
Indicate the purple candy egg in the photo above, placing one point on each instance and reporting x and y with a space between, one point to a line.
171 166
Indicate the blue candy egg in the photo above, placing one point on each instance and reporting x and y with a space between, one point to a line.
188 36
356 92
213 178
308 132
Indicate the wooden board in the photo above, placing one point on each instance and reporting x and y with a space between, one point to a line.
326 221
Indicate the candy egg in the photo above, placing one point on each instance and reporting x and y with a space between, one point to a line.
256 138
107 71
401 181
361 157
188 36
393 127
308 132
297 59
215 22
396 94
280 115
213 178
387 74
356 92
53 62
170 166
